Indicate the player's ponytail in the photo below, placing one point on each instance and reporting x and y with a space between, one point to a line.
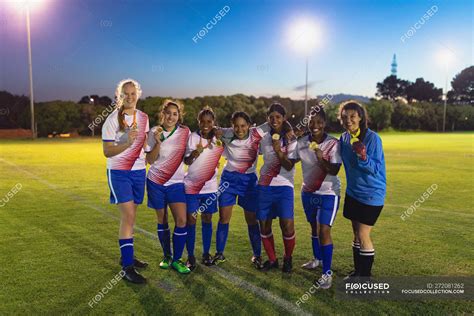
121 118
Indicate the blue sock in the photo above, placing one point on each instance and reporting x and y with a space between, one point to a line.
221 236
179 240
327 257
316 247
190 239
164 237
206 237
126 250
255 239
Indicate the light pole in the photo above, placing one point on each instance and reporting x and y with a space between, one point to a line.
304 36
30 67
27 5
445 98
306 91
445 57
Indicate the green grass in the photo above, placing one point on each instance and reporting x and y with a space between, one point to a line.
58 237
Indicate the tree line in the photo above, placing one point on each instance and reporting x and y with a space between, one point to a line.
400 105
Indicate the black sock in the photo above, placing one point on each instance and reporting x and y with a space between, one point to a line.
366 261
355 254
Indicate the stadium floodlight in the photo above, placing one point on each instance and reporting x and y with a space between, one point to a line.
304 37
26 6
445 58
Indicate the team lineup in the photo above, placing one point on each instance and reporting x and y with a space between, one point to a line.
182 177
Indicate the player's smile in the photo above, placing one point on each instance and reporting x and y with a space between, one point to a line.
316 126
130 96
206 123
241 128
351 120
275 120
171 116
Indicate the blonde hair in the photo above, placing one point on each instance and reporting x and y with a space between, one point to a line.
119 96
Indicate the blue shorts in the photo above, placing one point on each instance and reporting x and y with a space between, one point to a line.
275 201
159 195
201 203
320 208
241 185
126 185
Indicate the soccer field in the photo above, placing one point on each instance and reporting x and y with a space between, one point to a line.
59 238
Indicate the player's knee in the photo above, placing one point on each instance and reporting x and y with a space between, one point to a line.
325 233
191 220
206 218
180 221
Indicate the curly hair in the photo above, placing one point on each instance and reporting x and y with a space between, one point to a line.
166 104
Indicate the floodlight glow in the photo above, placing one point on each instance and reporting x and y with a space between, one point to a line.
25 4
304 36
445 56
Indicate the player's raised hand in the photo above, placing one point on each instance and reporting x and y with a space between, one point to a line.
157 134
319 153
276 143
360 150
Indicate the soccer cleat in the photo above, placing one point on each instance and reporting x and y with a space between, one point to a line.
287 264
179 266
137 263
312 264
352 275
207 259
257 262
325 282
191 263
268 265
166 262
218 258
131 275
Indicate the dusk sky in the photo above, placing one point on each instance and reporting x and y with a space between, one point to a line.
85 47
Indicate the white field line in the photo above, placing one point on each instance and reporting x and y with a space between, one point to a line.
238 282
432 210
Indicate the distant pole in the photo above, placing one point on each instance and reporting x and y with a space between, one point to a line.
306 91
445 98
32 105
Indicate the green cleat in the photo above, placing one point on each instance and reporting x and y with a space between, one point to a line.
166 262
179 266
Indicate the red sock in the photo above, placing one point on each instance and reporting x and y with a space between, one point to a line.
289 243
269 245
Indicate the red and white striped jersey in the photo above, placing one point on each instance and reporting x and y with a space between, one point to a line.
168 169
132 158
201 177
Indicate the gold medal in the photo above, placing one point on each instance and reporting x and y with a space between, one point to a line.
354 140
276 137
219 143
313 146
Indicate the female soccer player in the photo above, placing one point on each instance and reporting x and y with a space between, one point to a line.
165 183
240 181
202 155
275 188
124 136
320 161
364 163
